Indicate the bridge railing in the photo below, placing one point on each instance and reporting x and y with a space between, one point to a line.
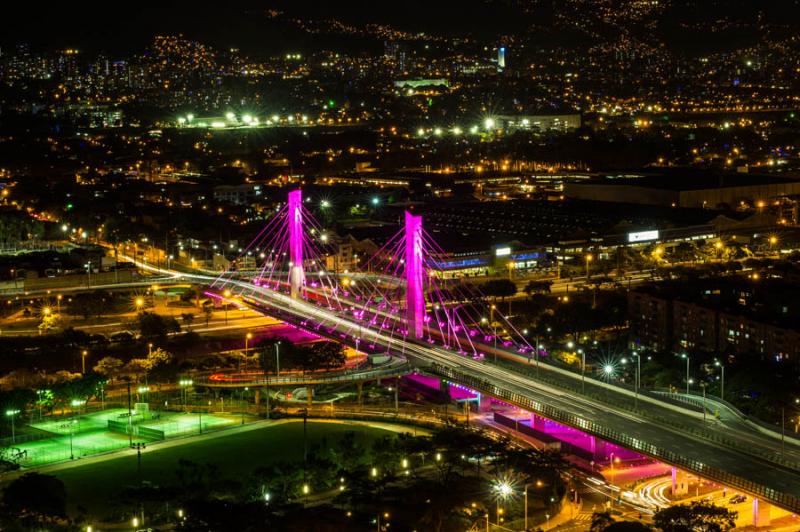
321 378
785 500
602 393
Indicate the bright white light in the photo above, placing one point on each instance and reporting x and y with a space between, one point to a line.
503 489
230 116
489 123
421 132
474 130
218 125
247 119
437 131
456 131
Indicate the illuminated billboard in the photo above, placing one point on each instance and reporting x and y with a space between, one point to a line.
642 236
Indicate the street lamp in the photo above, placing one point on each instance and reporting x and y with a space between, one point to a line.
525 491
184 384
503 490
686 356
83 361
227 294
721 366
277 359
247 338
139 302
637 380
12 414
589 258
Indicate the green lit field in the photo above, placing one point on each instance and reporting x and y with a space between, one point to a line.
97 485
59 447
85 422
88 434
176 424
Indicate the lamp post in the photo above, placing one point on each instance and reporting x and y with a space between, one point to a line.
227 294
526 505
703 386
503 490
247 338
277 359
184 384
12 414
589 258
637 381
686 356
613 472
83 361
721 366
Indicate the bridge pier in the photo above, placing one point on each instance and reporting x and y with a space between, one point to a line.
414 269
309 395
680 482
295 219
257 397
761 513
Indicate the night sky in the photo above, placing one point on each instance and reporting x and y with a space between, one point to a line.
120 27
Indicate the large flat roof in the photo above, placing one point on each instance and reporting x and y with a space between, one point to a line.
690 179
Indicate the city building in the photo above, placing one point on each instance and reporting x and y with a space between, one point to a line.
686 188
727 316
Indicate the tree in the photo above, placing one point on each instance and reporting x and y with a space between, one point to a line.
628 526
34 493
538 287
702 516
322 355
188 319
109 367
89 304
151 325
501 288
208 311
601 521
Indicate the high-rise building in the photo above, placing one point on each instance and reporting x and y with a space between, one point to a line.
501 58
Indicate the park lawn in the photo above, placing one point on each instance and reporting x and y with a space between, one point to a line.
94 486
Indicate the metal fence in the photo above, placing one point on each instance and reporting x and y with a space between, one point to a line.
784 500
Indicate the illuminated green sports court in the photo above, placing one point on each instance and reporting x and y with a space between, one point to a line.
99 432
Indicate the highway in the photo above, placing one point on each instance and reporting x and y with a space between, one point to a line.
678 430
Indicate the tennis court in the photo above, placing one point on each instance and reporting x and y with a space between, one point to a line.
107 430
